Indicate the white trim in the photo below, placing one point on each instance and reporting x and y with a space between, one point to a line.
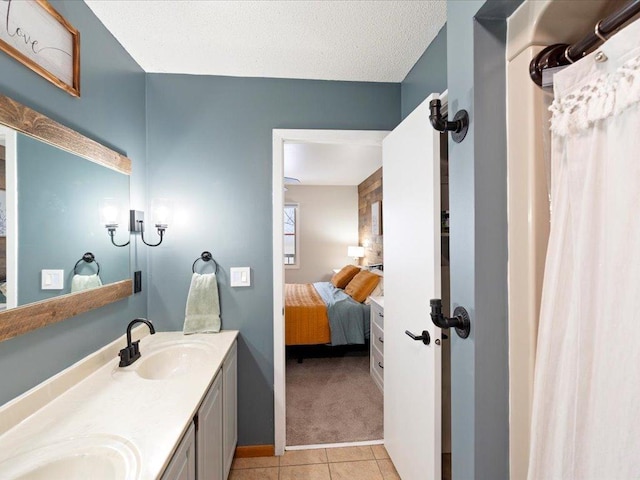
11 179
336 445
280 137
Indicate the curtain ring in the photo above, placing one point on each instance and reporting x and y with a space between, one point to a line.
566 54
598 33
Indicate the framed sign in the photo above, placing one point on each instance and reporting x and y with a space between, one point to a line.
35 34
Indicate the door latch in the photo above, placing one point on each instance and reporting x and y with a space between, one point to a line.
460 320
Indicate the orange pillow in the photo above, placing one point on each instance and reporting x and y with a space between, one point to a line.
344 276
362 285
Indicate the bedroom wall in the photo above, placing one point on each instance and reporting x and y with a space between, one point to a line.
111 110
369 192
328 218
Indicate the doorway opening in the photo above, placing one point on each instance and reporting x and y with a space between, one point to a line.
280 138
322 140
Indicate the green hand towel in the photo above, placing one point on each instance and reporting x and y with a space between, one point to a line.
202 314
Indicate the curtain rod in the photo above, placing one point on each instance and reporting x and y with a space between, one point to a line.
561 54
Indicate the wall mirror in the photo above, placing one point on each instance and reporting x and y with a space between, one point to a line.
53 182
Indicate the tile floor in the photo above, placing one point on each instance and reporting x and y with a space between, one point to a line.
346 463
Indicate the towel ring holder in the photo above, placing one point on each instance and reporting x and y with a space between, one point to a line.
205 257
88 258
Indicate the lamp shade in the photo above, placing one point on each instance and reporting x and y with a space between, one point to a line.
161 211
109 212
355 251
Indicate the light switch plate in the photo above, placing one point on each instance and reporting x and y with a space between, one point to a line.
52 279
240 276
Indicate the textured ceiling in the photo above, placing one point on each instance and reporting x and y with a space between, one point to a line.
356 40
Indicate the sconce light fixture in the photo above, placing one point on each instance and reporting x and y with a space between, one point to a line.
356 252
110 218
161 216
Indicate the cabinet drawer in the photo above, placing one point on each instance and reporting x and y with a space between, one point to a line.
377 315
377 337
378 362
377 371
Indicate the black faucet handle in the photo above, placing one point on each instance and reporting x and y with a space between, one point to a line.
129 354
135 348
125 357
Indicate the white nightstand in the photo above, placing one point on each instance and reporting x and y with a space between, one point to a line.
376 342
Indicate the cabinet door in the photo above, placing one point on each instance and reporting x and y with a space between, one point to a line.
209 434
183 464
230 406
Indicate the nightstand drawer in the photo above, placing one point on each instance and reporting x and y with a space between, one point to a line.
377 315
377 337
377 365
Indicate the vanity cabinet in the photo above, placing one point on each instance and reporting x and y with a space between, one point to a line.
209 433
210 442
183 463
230 407
376 342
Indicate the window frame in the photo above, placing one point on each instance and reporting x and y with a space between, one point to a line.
296 234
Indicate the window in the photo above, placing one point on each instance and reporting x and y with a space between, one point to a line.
291 243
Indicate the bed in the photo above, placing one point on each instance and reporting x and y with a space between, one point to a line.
333 313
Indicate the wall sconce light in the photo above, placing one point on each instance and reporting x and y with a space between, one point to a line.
110 218
161 216
356 252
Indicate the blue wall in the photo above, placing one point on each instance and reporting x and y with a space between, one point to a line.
111 110
428 75
476 36
210 144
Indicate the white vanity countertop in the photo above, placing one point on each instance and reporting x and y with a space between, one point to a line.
106 401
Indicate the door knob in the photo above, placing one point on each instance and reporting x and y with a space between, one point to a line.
425 337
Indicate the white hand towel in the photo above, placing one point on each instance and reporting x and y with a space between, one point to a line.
202 314
85 282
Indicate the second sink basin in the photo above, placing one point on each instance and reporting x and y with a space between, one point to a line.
97 457
171 360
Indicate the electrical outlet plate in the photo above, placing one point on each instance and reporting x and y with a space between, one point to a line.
240 276
137 281
52 279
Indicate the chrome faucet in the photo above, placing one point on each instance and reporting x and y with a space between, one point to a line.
131 352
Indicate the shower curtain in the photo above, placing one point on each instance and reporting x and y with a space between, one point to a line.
586 402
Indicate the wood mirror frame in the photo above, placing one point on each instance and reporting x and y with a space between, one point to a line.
23 319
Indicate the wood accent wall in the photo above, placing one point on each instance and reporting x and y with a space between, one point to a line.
369 192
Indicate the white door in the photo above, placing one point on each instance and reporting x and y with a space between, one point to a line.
411 216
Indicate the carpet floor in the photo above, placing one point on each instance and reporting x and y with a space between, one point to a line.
332 400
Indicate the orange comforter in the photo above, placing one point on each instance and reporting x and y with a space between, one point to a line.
306 320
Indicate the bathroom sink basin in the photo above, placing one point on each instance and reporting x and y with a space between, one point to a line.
96 457
171 360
